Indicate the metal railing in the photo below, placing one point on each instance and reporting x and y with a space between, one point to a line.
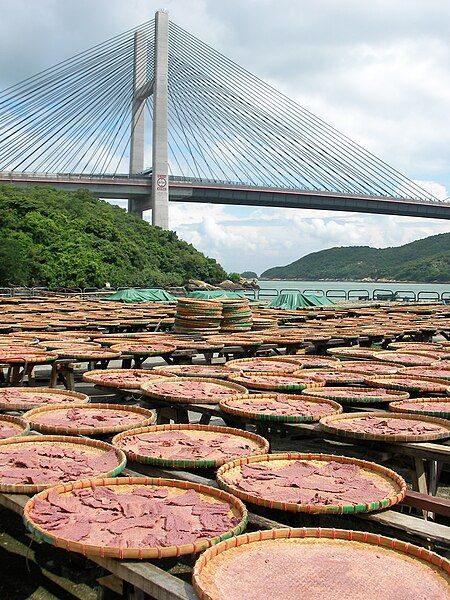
379 294
405 295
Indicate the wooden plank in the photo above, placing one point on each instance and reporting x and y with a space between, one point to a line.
425 530
149 578
437 505
112 582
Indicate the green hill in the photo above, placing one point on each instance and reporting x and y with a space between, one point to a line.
71 239
421 261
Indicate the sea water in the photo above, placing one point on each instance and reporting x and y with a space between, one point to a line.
354 287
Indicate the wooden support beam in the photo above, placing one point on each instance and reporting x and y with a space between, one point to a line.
435 504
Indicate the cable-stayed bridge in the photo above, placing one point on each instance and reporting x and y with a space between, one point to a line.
158 97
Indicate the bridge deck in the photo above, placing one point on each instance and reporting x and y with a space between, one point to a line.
211 192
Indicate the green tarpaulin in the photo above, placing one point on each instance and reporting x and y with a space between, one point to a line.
148 295
212 294
294 300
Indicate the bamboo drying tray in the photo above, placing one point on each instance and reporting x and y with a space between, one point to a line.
66 396
416 408
88 355
433 371
261 381
306 361
23 426
174 397
263 445
97 376
143 349
338 377
396 357
232 407
353 352
351 398
245 365
427 563
213 494
32 416
95 446
209 371
396 483
417 384
331 425
33 358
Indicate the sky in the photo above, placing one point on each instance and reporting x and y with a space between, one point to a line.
377 71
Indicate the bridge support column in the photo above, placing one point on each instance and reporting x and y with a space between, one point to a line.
138 112
160 171
136 206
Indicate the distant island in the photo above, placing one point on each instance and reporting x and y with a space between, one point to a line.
426 260
249 275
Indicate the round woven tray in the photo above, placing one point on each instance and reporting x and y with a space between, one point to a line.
436 372
311 361
353 352
212 494
261 365
329 424
438 354
147 418
144 349
232 407
295 382
66 396
209 371
97 377
405 358
236 340
351 398
427 385
21 424
197 346
423 406
16 347
58 347
88 355
32 440
263 445
422 346
396 483
37 358
338 377
152 393
213 579
370 366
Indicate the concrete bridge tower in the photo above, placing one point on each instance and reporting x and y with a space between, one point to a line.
158 90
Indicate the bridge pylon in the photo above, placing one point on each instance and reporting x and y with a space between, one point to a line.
160 164
158 89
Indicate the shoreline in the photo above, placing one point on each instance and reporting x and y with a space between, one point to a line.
359 281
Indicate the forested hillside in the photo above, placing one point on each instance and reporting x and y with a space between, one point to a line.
54 238
422 260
